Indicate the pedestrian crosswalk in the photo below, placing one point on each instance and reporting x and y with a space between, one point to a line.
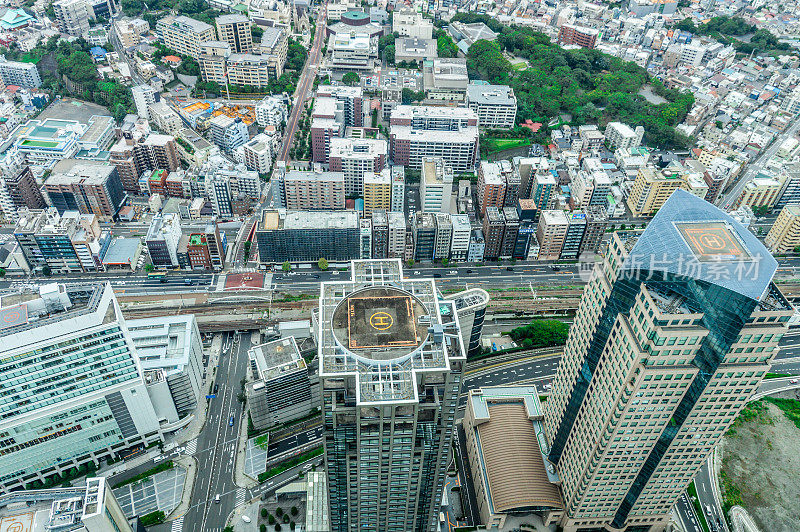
191 447
177 525
240 492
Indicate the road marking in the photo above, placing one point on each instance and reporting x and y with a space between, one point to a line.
177 525
240 493
191 447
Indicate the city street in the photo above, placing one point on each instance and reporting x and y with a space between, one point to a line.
304 85
217 443
729 199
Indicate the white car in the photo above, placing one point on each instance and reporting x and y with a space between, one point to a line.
246 519
793 381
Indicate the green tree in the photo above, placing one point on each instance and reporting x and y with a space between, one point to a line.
540 333
271 519
264 513
149 267
279 511
257 32
2 272
351 78
46 271
262 528
322 264
286 266
294 510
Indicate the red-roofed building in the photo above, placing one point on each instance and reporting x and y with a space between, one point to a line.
172 60
533 126
12 89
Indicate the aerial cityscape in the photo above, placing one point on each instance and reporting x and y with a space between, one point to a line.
399 266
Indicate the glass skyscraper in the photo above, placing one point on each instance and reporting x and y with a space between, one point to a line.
675 331
391 356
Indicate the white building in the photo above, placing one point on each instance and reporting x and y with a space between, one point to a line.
143 96
258 153
398 188
410 23
436 185
16 73
495 105
271 111
171 354
73 390
621 135
462 230
72 16
162 240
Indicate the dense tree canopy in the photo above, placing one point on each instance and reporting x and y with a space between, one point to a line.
540 333
724 29
587 84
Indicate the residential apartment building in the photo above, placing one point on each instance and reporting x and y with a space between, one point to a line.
398 188
280 390
634 314
354 158
135 156
67 243
396 241
21 74
275 46
491 186
315 190
761 191
436 185
417 132
494 224
74 391
551 233
72 16
89 187
143 96
258 153
784 235
377 191
579 35
184 35
228 133
354 106
304 236
444 236
622 136
651 189
234 30
495 105
272 111
20 190
370 424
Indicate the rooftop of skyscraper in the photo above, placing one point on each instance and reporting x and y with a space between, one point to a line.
384 328
52 302
692 238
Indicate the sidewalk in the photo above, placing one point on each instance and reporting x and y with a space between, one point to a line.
190 464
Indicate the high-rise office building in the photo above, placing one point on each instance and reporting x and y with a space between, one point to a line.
674 333
73 391
391 358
